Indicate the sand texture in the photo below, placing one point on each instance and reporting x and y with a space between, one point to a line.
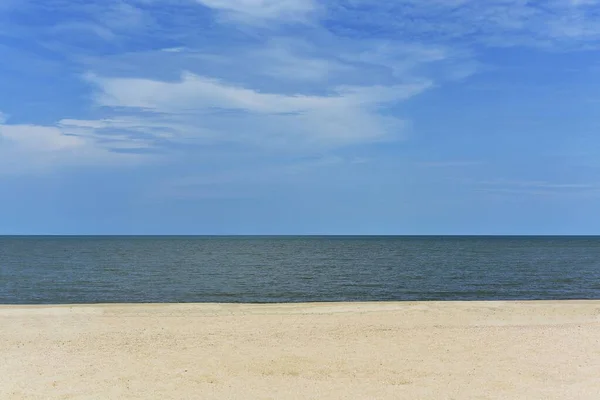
450 350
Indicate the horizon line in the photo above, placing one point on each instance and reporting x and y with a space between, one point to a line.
300 235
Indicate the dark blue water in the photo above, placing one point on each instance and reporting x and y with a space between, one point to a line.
36 270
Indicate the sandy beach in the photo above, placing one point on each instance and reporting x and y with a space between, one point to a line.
449 350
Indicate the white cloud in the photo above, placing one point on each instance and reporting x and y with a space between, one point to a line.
553 24
349 114
295 60
194 92
174 49
539 184
77 29
290 64
558 189
448 164
261 10
126 125
39 139
34 148
3 117
538 188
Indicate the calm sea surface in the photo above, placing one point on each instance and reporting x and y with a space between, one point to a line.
37 270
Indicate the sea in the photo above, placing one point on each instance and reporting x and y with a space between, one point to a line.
257 269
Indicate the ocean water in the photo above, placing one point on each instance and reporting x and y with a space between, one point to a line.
42 270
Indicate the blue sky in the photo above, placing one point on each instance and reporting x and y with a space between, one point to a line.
299 117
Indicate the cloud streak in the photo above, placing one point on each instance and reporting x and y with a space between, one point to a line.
539 188
36 148
349 114
252 11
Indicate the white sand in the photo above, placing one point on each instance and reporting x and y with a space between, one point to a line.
453 350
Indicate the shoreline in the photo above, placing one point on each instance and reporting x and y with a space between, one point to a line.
384 303
377 350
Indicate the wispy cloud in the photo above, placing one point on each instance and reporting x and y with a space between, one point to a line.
193 92
538 184
544 188
448 164
555 23
254 11
348 115
36 148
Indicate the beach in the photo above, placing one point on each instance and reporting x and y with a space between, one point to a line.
388 350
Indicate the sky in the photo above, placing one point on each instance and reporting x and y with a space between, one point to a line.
409 117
